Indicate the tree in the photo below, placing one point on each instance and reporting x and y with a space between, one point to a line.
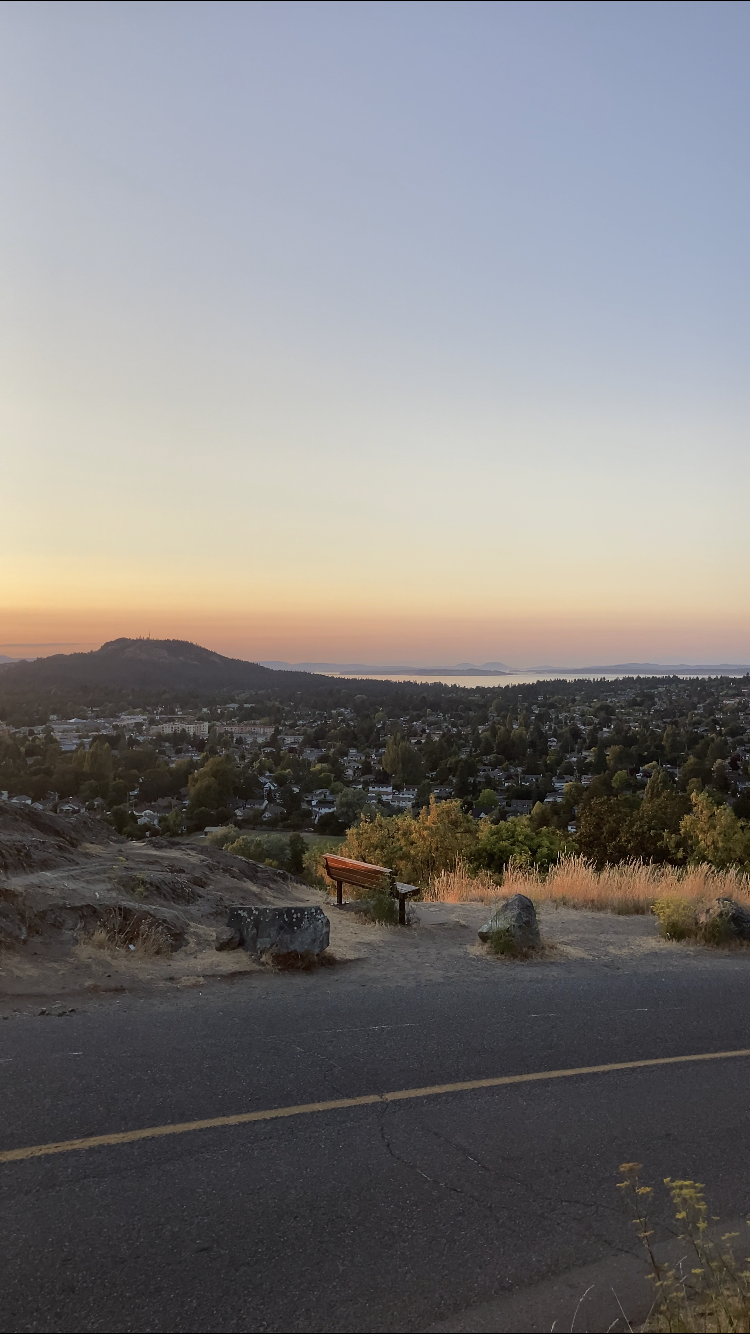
98 763
172 824
349 806
714 834
210 787
518 841
297 850
604 830
401 761
416 847
487 801
156 783
463 780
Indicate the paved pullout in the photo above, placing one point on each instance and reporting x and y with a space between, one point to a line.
433 1212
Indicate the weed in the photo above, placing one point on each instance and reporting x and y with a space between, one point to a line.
383 908
503 942
713 1295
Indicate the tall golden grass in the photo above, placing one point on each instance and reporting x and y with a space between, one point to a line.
630 887
459 885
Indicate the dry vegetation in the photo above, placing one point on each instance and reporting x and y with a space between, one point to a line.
629 887
708 1290
461 885
123 931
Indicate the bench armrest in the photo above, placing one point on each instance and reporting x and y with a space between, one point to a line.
402 893
405 891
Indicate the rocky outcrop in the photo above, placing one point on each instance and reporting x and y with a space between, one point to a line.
281 931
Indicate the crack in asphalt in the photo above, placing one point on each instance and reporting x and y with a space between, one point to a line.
498 1176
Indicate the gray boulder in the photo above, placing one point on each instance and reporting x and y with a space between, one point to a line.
517 919
293 930
228 938
724 920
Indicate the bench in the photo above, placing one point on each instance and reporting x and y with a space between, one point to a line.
379 879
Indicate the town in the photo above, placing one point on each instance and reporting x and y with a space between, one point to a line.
532 752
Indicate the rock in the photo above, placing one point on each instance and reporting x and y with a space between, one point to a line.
724 920
294 930
228 938
517 918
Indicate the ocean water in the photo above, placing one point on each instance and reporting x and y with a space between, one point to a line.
512 679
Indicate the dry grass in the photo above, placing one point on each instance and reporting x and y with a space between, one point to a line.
630 887
121 932
460 886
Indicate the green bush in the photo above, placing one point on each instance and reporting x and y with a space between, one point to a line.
676 918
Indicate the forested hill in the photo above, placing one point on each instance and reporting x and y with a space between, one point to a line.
147 671
142 664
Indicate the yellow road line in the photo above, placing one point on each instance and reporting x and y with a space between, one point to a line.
336 1104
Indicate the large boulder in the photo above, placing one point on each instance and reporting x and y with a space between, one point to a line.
724 920
515 923
294 930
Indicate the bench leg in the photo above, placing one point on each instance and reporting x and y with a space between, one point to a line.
402 910
339 896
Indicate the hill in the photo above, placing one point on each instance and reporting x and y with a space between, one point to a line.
142 664
140 673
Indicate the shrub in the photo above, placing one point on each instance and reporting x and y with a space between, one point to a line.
221 838
251 848
274 851
676 918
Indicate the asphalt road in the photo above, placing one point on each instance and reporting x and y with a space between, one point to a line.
394 1216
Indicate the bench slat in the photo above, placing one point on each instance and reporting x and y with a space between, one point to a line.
349 864
350 872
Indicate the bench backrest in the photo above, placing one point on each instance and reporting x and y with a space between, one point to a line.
361 874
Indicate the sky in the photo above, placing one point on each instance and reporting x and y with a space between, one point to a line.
387 332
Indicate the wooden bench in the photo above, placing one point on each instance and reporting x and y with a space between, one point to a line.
379 879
